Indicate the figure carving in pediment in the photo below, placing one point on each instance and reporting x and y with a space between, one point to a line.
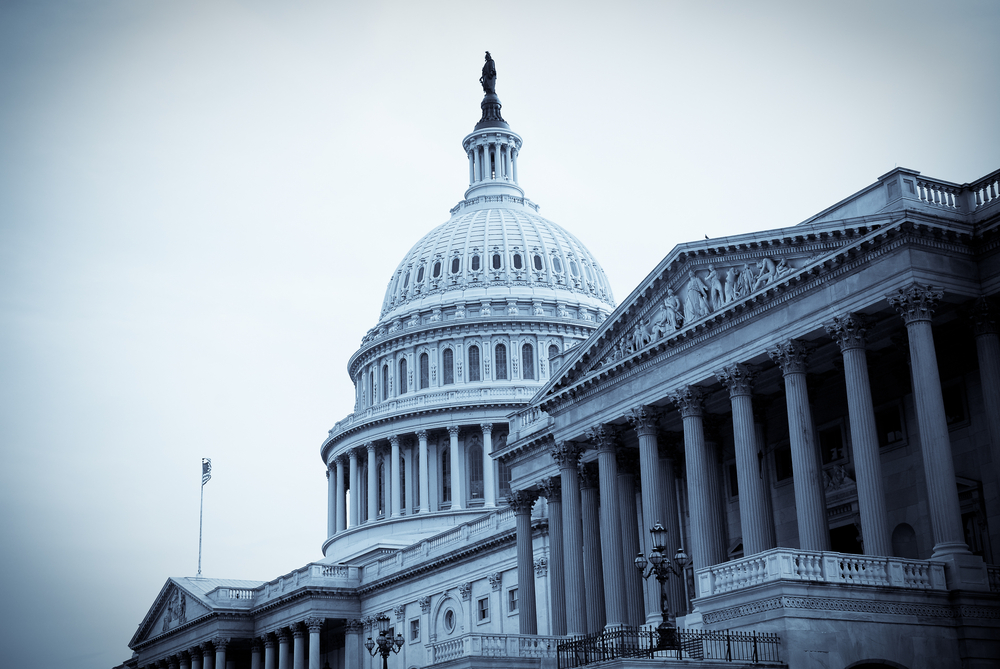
744 285
732 277
715 290
697 298
766 273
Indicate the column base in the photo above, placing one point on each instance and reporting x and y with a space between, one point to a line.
965 571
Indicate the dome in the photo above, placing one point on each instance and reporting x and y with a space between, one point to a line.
494 253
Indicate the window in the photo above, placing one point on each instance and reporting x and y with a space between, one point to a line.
402 377
455 265
512 600
573 268
415 630
517 261
483 609
954 404
445 475
425 376
406 281
381 487
371 388
385 382
420 274
449 621
474 374
556 264
503 472
831 443
437 269
538 262
783 463
889 425
475 468
402 481
586 268
734 484
501 361
448 366
528 361
416 477
475 263
553 353
497 261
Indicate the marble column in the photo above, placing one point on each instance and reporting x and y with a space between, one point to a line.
208 656
552 490
810 504
284 636
355 517
984 326
717 510
424 483
195 654
759 430
643 420
628 464
508 164
515 166
184 660
593 565
352 644
410 479
566 455
314 625
269 644
738 379
341 495
331 501
220 651
372 483
704 546
394 478
849 333
489 477
615 605
475 164
254 654
916 305
472 168
457 479
299 651
521 502
671 521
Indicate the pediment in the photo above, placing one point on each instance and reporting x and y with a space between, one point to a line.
174 607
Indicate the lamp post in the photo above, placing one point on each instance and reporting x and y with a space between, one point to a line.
661 567
384 644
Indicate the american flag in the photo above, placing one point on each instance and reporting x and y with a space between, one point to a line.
206 470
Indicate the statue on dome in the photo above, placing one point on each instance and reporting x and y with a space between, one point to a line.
489 78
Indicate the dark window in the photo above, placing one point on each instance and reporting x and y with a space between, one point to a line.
528 361
437 269
517 261
512 600
497 262
501 361
475 263
503 472
402 479
402 377
425 377
445 475
474 363
475 468
573 268
553 352
782 463
420 275
954 404
406 281
455 265
734 481
448 366
385 382
416 476
415 629
831 444
889 425
556 264
538 262
381 487
484 608
371 388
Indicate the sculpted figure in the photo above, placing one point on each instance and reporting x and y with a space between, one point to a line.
766 274
731 279
782 269
715 292
489 78
697 298
672 304
744 285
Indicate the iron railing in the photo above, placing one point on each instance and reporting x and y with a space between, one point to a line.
668 644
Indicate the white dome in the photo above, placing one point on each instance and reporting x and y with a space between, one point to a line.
492 252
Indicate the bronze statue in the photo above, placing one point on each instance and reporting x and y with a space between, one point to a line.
489 78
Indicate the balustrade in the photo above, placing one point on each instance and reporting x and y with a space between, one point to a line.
496 645
986 190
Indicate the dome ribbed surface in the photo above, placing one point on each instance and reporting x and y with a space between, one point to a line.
498 253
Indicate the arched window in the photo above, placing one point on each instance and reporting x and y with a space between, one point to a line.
573 268
448 367
528 361
517 261
381 487
553 352
538 262
416 477
371 388
501 361
474 364
385 382
497 261
406 281
445 475
437 269
556 264
586 268
475 263
474 466
402 481
402 377
455 265
425 374
420 274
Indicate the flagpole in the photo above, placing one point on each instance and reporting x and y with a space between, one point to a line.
201 516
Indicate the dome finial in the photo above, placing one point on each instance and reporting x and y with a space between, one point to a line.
491 103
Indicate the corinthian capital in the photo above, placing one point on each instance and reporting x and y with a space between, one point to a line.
394 440
688 401
602 436
551 488
790 356
984 319
915 302
453 430
522 500
642 419
313 624
849 330
738 379
565 453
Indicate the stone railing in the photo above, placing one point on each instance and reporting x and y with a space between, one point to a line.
527 421
788 564
985 191
496 645
493 198
961 198
939 193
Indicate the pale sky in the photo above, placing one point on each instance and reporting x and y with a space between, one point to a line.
201 204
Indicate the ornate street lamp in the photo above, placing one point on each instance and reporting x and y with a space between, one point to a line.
384 644
661 567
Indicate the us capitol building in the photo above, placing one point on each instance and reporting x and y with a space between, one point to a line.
810 414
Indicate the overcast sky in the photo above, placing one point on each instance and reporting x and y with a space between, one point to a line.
201 204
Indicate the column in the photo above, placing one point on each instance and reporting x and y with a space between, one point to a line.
425 493
352 644
283 638
521 502
984 326
643 421
255 653
593 565
299 651
668 478
372 483
566 455
477 169
341 495
615 611
849 333
269 642
759 430
738 379
916 305
507 172
552 490
195 654
704 547
395 504
184 660
208 656
355 519
489 477
331 502
515 166
627 466
409 477
472 168
457 479
314 625
172 662
810 504
220 651
717 511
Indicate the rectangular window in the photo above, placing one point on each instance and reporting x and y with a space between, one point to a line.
474 363
528 362
953 394
501 361
483 609
512 600
734 485
783 463
415 630
425 375
889 425
831 443
448 366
